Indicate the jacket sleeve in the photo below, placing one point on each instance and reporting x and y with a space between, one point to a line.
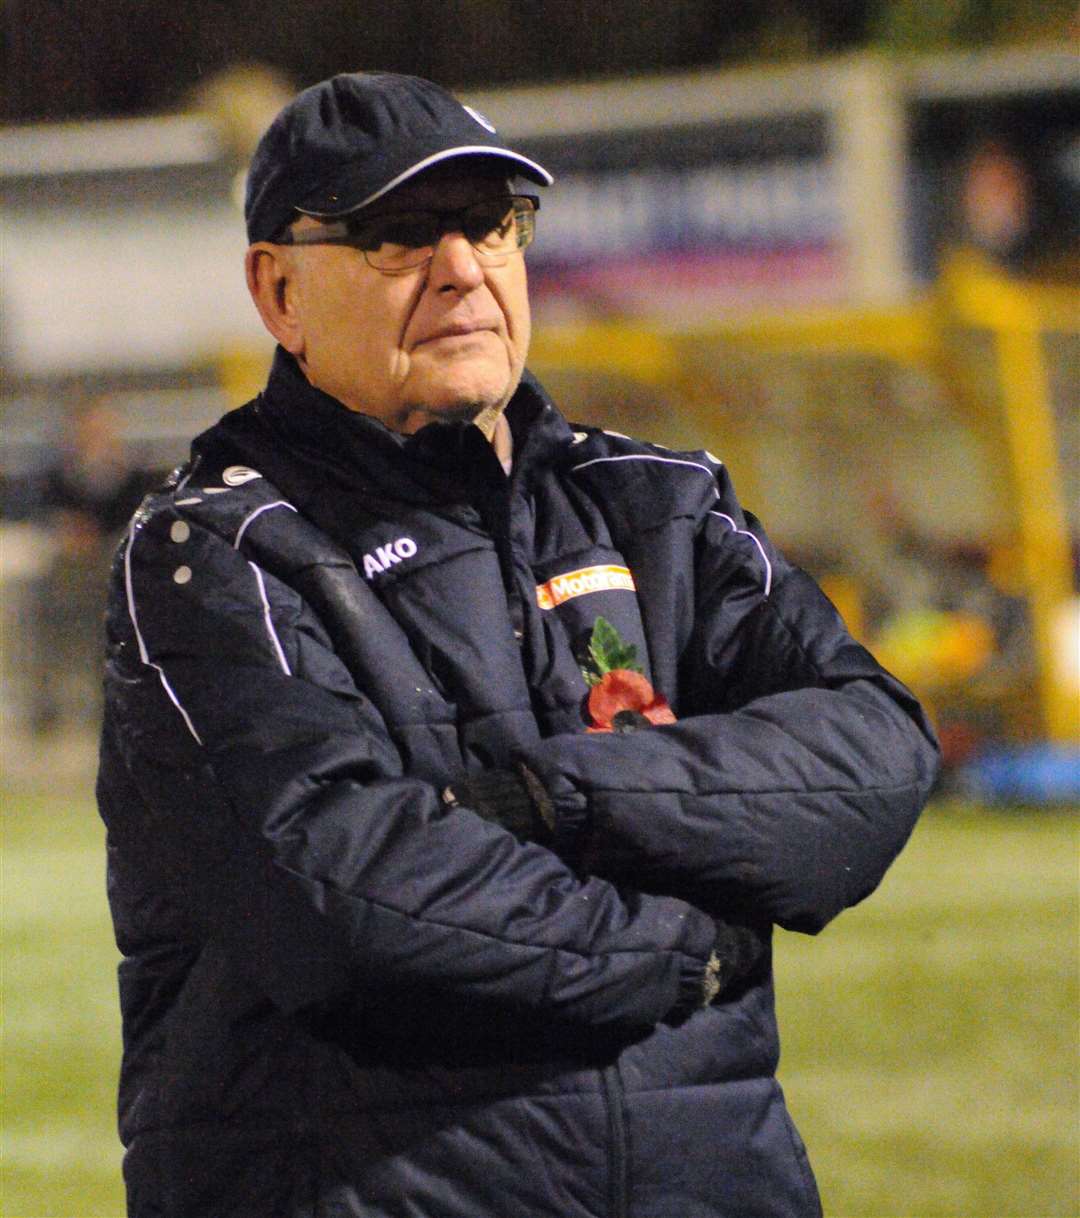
797 768
243 765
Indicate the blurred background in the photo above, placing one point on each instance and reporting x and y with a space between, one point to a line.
838 244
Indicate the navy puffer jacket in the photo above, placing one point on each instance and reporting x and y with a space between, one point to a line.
343 996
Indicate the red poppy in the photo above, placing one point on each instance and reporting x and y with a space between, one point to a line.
623 700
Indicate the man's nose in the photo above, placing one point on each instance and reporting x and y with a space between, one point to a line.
454 264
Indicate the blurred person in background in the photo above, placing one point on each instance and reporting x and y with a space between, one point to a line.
1014 216
457 762
84 496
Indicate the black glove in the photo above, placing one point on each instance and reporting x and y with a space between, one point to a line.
736 950
515 799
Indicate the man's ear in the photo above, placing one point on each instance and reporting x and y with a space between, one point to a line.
269 279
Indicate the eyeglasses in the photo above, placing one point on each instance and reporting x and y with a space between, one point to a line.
401 241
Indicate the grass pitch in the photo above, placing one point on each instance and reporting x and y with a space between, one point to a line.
930 1035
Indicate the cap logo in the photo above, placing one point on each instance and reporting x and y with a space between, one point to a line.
486 123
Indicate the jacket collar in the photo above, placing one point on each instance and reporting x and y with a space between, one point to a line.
443 461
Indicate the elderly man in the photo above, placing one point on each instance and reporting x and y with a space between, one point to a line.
456 762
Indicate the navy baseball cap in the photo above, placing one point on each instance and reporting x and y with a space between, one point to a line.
347 141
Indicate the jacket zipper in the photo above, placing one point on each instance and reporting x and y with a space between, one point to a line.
618 1182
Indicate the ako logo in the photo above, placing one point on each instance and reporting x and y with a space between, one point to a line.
382 558
578 583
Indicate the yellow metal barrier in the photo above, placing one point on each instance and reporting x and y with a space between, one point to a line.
1017 316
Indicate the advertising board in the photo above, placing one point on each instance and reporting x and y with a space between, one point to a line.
689 219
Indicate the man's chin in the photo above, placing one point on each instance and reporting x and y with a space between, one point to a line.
466 405
457 391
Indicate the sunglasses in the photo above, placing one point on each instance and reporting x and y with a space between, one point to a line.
401 241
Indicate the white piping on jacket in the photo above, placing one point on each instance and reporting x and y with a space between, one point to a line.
761 548
269 623
258 512
144 655
646 457
705 470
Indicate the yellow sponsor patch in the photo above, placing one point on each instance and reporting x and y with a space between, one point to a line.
577 583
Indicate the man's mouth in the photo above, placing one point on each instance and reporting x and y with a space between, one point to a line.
458 330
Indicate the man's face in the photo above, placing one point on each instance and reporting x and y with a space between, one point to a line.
444 341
